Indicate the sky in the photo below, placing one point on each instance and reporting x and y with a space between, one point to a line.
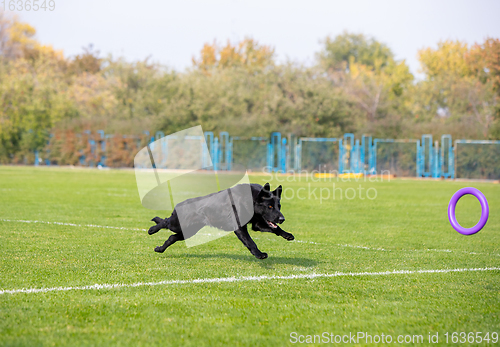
172 32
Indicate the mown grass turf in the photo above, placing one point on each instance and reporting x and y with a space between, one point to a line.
404 228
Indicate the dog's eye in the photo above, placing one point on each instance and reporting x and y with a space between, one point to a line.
270 206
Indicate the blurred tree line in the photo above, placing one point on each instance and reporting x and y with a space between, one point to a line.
356 86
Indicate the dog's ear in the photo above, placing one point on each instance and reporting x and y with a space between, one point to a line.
278 191
265 192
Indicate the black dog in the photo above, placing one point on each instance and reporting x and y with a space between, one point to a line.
266 216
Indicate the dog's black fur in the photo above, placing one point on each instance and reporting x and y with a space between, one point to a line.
266 217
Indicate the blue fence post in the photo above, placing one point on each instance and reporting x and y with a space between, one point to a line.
374 167
269 159
224 152
436 171
298 156
283 155
341 156
451 160
373 159
355 159
291 152
347 152
102 142
365 153
209 138
446 144
427 151
419 159
229 154
215 157
275 151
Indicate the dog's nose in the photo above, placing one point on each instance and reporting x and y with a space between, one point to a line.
281 219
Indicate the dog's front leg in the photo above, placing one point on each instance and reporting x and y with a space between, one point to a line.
245 238
277 231
280 232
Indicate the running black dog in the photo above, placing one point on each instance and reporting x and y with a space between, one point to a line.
266 216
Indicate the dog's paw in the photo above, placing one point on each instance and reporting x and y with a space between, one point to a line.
261 256
288 236
153 230
157 220
159 249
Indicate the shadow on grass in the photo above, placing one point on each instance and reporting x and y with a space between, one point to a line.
267 263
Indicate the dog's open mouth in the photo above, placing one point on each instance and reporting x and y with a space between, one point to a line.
271 224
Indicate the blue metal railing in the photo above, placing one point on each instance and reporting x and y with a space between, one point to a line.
298 154
428 159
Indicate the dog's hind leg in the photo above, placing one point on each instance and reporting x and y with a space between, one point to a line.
157 220
171 240
160 224
245 238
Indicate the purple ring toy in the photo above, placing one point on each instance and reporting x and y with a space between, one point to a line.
485 211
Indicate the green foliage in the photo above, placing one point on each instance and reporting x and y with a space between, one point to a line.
459 86
33 97
348 48
357 86
288 98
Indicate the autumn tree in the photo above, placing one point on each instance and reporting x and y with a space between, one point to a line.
366 71
17 40
247 53
457 87
484 62
340 52
88 61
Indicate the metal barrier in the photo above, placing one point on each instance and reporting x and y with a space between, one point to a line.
322 154
249 153
396 157
277 153
477 159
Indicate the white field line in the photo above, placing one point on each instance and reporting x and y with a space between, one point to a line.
415 250
364 247
399 250
241 279
71 224
298 241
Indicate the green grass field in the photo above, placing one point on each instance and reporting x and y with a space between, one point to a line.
404 228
